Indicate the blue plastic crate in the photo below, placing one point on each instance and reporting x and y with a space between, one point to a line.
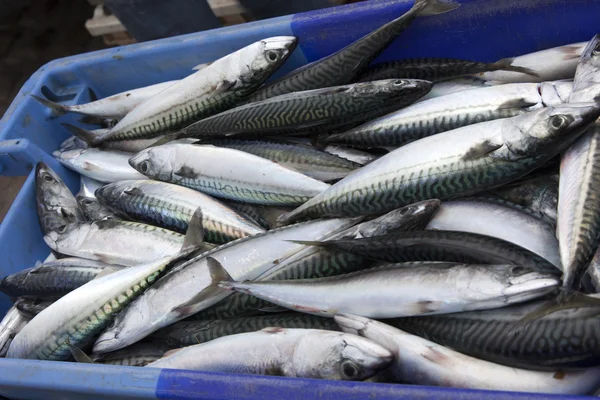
484 30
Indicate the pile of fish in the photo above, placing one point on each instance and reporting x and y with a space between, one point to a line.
425 221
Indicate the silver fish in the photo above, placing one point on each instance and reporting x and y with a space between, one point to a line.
454 85
12 323
136 355
421 362
302 353
101 165
227 173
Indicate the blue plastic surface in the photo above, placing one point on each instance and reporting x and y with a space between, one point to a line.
484 30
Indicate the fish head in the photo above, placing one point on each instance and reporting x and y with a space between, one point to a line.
155 162
109 194
67 239
519 280
547 131
73 143
266 56
57 207
586 84
339 356
414 216
408 90
555 93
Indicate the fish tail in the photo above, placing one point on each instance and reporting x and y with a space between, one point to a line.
89 137
506 65
59 109
435 7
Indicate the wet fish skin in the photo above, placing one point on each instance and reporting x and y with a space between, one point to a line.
93 210
469 160
427 288
171 207
342 66
12 323
137 355
188 333
52 279
32 307
264 216
490 335
102 165
56 206
227 173
419 361
302 353
453 86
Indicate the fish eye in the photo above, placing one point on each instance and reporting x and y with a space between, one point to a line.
406 210
596 50
88 201
48 178
145 166
558 122
272 56
517 270
62 229
398 82
349 370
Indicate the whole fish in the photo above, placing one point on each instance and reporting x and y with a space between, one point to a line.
101 165
426 288
227 173
92 209
302 353
445 113
114 241
566 339
188 333
32 307
421 362
78 317
342 66
181 293
454 163
436 245
549 65
217 87
435 69
311 110
485 218
53 279
136 355
578 223
311 162
12 323
117 105
318 262
56 207
171 207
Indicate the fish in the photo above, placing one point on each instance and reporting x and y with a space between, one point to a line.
181 293
78 317
114 241
442 114
12 323
56 206
136 355
53 279
94 211
437 245
318 262
264 216
309 111
436 69
311 162
88 186
485 218
301 353
115 106
102 165
565 340
32 307
171 207
593 271
455 85
354 155
549 65
342 66
188 333
215 88
578 216
459 162
400 290
422 362
227 173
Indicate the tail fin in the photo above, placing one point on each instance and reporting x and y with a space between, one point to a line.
89 137
506 65
194 236
58 108
218 276
435 7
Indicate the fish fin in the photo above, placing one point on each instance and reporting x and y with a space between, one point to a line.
426 307
133 191
93 95
273 329
88 166
351 323
57 108
435 7
435 356
200 67
506 65
273 309
312 243
224 86
194 236
218 276
87 136
288 218
171 352
565 300
515 103
78 354
481 149
570 52
186 172
38 267
166 139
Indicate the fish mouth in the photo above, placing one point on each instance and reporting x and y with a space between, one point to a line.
51 239
533 284
104 345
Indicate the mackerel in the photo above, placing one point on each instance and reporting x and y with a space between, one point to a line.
12 323
227 173
136 355
32 307
460 162
101 165
264 216
92 209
